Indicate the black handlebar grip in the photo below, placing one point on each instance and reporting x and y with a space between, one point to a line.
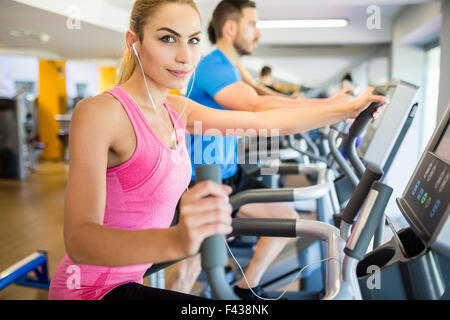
371 175
361 122
368 222
208 172
213 249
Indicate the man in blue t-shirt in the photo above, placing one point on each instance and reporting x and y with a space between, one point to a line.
214 73
217 83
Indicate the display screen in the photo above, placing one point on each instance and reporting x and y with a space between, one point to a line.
443 148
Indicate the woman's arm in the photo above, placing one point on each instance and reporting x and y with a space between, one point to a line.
208 121
87 240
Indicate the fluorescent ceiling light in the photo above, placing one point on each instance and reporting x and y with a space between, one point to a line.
43 37
294 24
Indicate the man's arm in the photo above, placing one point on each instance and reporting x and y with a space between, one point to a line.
285 121
240 96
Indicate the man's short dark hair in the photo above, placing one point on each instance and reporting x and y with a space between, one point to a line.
347 77
225 10
266 70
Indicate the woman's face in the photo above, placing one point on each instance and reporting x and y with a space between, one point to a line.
171 49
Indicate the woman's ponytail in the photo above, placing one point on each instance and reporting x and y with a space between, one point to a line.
126 67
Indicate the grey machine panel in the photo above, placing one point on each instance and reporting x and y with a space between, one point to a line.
425 201
380 137
12 158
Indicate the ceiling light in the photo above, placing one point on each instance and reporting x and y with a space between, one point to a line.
19 33
294 24
42 37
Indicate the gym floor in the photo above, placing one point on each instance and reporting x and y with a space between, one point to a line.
32 215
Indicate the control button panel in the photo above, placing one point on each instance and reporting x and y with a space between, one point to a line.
444 182
419 196
435 207
415 188
429 196
439 180
431 175
428 170
424 197
428 202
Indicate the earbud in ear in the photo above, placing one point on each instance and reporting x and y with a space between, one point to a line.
134 48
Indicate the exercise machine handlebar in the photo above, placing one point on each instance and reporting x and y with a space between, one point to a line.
368 221
371 175
316 191
361 122
213 249
332 137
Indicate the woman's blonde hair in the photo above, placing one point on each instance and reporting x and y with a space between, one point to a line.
142 10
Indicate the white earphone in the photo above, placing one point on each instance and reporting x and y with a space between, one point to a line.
134 48
143 74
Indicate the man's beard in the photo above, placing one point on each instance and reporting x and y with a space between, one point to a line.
240 49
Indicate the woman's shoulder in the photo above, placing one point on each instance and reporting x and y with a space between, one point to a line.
101 112
103 106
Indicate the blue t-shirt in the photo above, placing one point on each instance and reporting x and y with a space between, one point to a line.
213 73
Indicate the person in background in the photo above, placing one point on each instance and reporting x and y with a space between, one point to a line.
266 78
347 81
265 84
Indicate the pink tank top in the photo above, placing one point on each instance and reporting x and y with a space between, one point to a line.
141 193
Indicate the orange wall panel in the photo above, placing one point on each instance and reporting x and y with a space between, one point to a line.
51 101
107 78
